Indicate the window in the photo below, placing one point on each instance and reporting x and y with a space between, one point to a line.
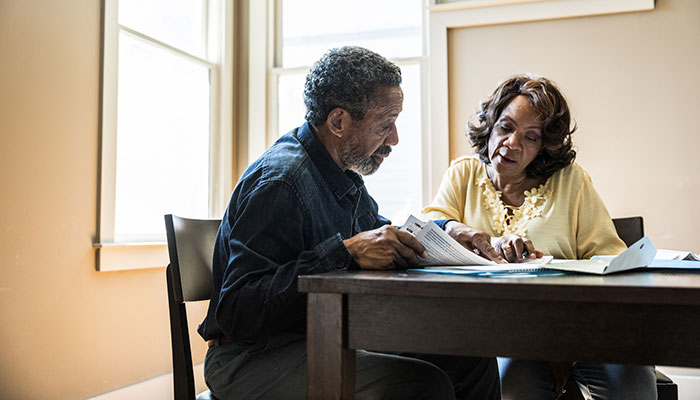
392 28
166 121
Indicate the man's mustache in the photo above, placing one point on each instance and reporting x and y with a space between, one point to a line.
382 151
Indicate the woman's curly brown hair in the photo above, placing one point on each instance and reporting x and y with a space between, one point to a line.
557 149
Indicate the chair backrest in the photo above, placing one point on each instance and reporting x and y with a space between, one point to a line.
629 229
191 247
189 278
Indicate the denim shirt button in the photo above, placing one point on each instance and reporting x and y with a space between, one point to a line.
340 264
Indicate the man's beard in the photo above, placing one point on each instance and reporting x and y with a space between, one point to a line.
352 157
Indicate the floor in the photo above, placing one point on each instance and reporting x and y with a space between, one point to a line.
687 379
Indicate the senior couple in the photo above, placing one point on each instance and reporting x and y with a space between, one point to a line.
302 208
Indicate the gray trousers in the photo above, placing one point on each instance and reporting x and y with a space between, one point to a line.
275 368
532 380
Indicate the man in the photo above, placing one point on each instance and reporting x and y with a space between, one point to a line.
302 208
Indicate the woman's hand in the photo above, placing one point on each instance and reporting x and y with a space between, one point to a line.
477 241
514 248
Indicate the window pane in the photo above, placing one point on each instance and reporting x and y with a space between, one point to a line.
392 28
397 184
179 23
163 140
290 100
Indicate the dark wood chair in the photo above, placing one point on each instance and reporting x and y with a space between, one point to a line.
631 229
190 247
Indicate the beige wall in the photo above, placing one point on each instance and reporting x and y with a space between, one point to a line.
67 332
632 82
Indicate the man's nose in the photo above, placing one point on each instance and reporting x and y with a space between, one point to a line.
393 138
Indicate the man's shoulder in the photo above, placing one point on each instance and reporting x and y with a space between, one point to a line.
283 161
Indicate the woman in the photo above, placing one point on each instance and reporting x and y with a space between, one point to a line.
524 189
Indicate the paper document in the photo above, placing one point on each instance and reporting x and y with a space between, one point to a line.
443 250
676 255
525 266
640 254
674 264
487 271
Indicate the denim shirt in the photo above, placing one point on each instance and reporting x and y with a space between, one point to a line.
288 216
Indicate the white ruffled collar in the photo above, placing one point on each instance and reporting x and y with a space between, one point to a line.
504 223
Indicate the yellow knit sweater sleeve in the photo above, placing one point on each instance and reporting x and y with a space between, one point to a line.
595 232
456 195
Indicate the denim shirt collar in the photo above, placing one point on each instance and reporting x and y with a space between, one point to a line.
341 183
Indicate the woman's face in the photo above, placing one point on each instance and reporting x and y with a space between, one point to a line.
516 138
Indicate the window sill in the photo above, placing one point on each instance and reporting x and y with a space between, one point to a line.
130 256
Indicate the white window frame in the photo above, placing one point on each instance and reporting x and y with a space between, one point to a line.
470 13
273 62
112 255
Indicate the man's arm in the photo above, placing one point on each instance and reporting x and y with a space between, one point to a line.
266 236
265 242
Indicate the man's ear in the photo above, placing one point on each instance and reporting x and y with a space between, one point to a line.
338 122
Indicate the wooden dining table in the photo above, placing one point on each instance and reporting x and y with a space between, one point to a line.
638 317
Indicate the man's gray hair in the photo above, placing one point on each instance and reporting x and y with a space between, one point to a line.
346 77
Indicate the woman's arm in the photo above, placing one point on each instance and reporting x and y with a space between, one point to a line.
595 232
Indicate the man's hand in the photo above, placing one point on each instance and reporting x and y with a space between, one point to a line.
514 248
385 248
474 240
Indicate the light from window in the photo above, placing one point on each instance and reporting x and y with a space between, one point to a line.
391 28
162 97
396 186
290 100
179 23
163 139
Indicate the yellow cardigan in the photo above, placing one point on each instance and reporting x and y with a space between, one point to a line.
564 217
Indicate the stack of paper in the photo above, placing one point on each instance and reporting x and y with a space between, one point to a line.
676 255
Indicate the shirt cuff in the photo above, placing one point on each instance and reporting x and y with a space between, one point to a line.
333 255
441 222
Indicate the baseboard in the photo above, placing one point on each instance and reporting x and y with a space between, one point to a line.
687 379
158 388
